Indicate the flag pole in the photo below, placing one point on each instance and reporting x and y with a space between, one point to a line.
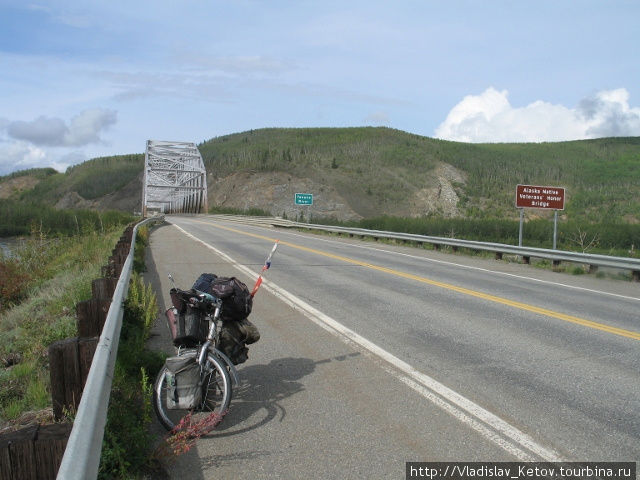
265 267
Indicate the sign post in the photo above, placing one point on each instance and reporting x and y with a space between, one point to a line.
532 196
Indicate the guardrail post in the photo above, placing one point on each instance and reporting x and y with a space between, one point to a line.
91 315
64 370
33 452
18 455
103 288
49 446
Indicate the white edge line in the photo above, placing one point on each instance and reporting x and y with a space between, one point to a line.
455 404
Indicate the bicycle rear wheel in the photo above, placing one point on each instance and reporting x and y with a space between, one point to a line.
216 396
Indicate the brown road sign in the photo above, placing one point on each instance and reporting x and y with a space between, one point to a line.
530 196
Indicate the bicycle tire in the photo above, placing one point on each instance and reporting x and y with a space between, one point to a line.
216 395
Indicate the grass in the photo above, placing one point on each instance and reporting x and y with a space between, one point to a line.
58 273
254 212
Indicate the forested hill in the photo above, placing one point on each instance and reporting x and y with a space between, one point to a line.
364 172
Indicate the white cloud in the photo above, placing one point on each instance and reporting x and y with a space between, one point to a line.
86 127
20 156
41 131
489 117
83 129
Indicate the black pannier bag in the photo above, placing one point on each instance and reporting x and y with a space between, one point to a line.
187 325
237 331
204 281
236 297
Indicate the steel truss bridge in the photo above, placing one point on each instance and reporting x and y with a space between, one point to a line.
175 180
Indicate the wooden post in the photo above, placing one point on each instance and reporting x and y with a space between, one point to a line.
34 452
49 448
64 371
69 364
91 315
86 350
103 288
19 451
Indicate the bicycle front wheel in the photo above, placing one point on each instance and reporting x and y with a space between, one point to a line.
216 396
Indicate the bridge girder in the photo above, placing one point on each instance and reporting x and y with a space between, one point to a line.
175 180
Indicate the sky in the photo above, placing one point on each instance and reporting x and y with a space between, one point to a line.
83 79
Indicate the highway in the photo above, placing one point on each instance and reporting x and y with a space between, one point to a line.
373 355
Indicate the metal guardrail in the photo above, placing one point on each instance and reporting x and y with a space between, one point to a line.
82 455
556 256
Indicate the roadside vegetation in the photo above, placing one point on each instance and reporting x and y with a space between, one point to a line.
40 284
128 446
46 275
254 212
20 218
620 239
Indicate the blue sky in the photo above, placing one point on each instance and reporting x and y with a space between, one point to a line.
84 79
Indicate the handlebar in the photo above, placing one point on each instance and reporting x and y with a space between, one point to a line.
195 298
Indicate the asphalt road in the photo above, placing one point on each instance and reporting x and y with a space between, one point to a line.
374 355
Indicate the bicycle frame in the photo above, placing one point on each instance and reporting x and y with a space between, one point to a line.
209 344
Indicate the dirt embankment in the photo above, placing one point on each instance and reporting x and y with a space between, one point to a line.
16 185
274 192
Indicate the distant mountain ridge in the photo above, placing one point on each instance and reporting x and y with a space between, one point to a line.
366 172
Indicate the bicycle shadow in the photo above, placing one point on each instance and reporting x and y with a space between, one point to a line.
262 388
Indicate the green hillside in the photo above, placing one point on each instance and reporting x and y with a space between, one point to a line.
91 180
380 171
376 169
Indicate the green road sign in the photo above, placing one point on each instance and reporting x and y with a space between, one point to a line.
304 198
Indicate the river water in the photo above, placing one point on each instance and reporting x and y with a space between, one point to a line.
7 245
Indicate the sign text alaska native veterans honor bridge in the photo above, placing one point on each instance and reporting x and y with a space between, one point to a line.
532 196
529 196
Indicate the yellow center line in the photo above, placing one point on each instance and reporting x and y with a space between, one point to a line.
465 291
